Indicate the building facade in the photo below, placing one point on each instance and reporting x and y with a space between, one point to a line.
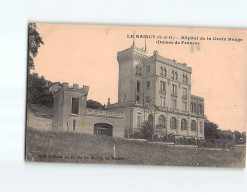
157 90
150 88
70 113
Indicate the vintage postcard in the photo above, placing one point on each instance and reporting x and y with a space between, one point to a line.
136 95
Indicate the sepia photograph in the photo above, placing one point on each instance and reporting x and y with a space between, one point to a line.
136 95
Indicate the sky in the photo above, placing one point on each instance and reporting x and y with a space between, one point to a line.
87 55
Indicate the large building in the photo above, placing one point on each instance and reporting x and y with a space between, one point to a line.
157 90
150 88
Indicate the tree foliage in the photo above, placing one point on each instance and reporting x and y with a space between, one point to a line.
147 130
38 91
34 42
94 104
211 131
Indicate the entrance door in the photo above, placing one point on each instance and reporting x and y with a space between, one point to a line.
150 120
103 129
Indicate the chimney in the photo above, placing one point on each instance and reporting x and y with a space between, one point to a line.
109 101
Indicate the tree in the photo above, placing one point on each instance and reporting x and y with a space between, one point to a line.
34 42
94 104
38 91
147 130
238 136
211 131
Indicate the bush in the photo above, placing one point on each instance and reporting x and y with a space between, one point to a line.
136 135
147 130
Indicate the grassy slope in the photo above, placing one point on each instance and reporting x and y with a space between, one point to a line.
56 146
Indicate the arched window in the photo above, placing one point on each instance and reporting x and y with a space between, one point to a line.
183 124
150 120
194 107
161 121
191 107
172 75
193 125
140 71
176 76
186 79
161 70
201 127
200 109
173 123
165 72
137 72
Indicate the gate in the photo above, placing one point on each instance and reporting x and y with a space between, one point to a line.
103 129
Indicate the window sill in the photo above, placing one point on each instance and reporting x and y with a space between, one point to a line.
76 115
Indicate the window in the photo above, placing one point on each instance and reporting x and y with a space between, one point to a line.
74 121
191 107
162 86
161 121
147 99
138 86
194 107
165 72
184 106
174 89
193 125
148 84
200 109
138 120
162 99
124 97
176 76
172 75
174 104
140 71
147 69
186 79
201 127
137 98
185 93
173 123
137 70
183 124
75 106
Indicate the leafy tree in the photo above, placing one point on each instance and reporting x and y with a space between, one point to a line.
38 91
244 137
211 131
94 104
34 42
147 130
238 136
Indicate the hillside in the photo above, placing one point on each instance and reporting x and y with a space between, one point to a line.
49 146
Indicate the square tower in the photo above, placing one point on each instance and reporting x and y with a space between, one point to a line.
130 71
